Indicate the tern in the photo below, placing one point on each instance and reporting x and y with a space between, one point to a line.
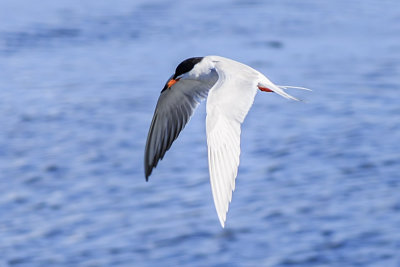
230 88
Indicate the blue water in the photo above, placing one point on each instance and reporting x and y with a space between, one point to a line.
319 181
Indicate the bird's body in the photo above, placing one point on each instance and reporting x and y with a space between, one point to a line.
231 87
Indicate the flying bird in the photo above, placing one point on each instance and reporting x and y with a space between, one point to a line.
231 87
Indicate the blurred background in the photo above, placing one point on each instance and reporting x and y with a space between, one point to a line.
319 181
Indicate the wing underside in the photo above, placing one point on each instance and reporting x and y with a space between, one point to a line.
227 106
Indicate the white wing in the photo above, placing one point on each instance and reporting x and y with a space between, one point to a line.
227 105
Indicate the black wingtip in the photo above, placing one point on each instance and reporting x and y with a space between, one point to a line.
147 173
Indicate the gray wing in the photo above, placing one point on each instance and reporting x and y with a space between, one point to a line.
174 108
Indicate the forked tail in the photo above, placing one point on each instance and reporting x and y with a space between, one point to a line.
267 85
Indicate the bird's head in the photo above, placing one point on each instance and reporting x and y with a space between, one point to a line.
195 68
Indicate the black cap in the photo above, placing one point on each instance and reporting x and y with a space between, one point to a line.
186 66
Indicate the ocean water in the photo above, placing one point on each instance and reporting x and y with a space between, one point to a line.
319 180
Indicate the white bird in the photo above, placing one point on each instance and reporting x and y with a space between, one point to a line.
231 87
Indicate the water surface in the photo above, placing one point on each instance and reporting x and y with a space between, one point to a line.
318 183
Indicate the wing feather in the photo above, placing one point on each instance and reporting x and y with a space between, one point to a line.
227 106
223 151
174 108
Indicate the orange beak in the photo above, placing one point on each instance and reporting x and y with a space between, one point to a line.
172 82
